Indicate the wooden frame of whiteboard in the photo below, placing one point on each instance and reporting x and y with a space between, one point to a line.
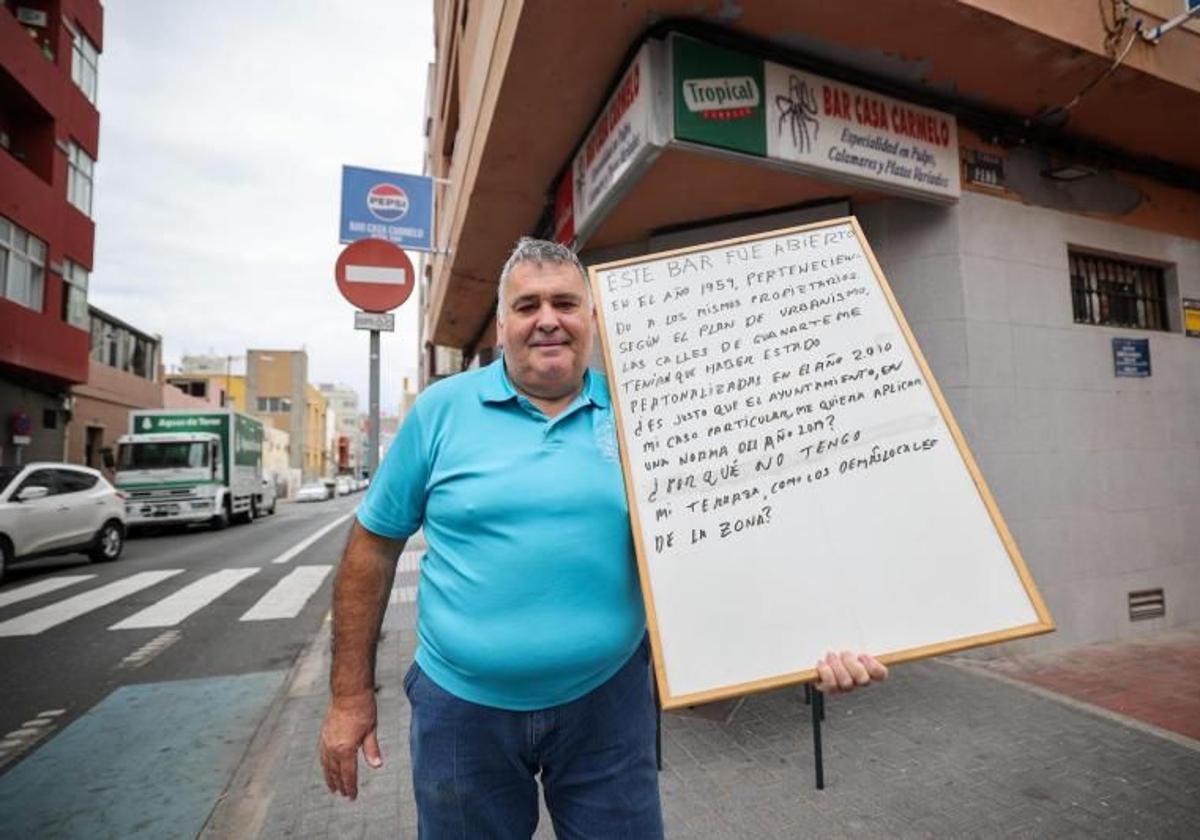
1044 624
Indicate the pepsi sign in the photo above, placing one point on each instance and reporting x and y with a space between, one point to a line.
387 202
387 205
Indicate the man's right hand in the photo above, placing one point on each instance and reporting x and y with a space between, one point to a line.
349 725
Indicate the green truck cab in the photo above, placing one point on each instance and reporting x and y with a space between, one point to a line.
190 466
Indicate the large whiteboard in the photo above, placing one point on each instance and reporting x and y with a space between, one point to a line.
796 481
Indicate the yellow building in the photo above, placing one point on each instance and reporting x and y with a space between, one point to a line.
316 452
218 388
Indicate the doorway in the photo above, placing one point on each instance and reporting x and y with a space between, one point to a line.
93 442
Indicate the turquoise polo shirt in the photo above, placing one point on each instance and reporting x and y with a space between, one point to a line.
528 594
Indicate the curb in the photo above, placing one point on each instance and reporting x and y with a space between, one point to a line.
241 809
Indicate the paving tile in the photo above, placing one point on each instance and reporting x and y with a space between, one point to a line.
938 751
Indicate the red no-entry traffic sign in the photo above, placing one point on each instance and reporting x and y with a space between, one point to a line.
374 275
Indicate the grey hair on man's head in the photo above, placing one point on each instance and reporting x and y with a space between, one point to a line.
539 252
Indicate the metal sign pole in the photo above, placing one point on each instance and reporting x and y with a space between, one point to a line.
377 276
373 431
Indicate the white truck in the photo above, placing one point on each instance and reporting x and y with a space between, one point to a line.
179 466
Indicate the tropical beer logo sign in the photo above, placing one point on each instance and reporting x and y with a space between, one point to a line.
729 100
721 99
718 97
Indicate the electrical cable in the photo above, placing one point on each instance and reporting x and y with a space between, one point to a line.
1052 114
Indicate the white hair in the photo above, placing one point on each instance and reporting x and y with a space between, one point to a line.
539 252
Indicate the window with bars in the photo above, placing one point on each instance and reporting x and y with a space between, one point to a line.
1118 293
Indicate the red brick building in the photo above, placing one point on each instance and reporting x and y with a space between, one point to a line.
49 142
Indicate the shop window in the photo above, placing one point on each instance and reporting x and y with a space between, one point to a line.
22 266
84 60
75 286
1118 293
80 169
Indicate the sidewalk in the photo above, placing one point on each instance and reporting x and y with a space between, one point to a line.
1155 680
943 749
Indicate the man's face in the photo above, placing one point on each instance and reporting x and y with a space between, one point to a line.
546 327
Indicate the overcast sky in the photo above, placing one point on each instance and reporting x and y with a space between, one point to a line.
224 125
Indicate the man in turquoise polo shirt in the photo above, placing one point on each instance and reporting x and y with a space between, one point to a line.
531 645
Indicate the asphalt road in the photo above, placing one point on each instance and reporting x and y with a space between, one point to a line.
192 605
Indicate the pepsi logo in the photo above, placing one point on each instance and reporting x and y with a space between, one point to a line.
387 202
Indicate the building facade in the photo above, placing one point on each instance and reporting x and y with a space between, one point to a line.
217 388
275 382
49 142
212 378
318 461
347 427
278 392
124 373
1030 221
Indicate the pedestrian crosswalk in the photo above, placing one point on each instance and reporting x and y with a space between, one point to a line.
42 587
285 598
42 619
176 607
403 595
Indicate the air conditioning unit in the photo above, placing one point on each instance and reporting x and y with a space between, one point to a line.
32 17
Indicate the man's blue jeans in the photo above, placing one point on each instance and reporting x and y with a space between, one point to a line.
474 767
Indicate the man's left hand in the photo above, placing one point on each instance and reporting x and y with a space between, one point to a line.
839 673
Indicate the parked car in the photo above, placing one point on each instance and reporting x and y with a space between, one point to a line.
264 500
343 485
50 508
314 491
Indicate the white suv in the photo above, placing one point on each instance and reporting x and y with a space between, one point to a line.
50 508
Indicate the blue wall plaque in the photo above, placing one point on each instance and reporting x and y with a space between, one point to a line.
1131 356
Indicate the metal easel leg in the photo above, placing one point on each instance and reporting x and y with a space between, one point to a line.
818 714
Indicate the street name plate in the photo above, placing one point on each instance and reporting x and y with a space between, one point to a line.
382 321
1131 357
